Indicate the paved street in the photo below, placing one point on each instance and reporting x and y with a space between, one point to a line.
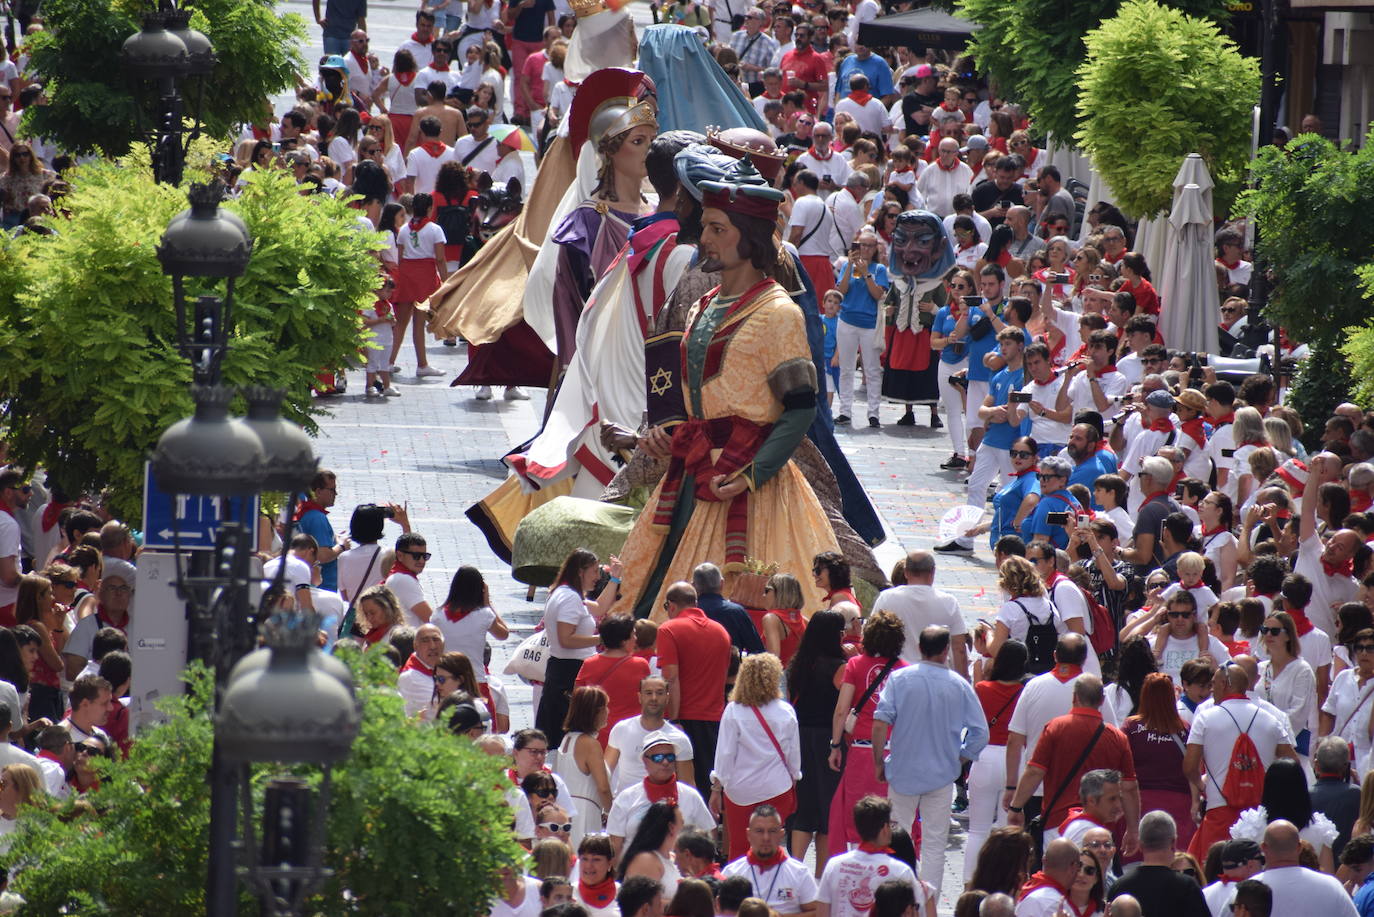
437 449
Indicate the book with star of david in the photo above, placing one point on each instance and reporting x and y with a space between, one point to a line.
662 379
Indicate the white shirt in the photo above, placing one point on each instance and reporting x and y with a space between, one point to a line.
429 75
785 887
810 213
424 168
871 116
363 78
529 906
484 161
632 802
354 573
1142 446
9 547
1178 651
1343 702
1294 691
747 765
467 636
1223 438
1043 902
423 54
297 576
1328 592
1131 367
864 11
1043 698
919 607
1071 604
1298 890
1219 896
1013 615
567 606
1216 730
55 778
979 221
1081 395
409 594
421 243
938 186
417 690
524 817
836 167
627 737
848 214
1044 429
849 880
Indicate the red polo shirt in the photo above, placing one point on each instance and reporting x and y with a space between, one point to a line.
1059 748
619 677
701 683
810 67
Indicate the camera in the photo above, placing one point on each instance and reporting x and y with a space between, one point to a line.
960 381
1006 205
972 302
1228 453
1060 278
1057 518
1019 398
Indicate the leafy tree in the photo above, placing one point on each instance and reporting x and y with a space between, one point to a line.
1157 85
88 359
417 824
1032 50
92 106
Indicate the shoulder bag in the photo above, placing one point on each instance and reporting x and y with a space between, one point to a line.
1037 824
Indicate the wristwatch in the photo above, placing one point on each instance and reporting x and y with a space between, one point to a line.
1017 809
837 745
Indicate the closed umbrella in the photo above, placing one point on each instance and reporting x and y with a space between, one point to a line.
1190 282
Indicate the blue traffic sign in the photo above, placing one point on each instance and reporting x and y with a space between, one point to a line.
192 522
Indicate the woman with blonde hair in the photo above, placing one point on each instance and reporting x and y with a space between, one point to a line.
1248 432
25 178
20 785
381 129
781 624
758 754
379 611
1027 606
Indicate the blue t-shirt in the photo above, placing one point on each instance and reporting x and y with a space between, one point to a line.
832 325
859 308
879 75
1102 462
1007 501
1364 898
944 325
316 524
1002 435
977 372
1061 501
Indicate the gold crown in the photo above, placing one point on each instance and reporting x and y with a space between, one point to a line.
623 113
584 8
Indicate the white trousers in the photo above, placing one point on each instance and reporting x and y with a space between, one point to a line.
977 391
986 780
935 808
952 396
989 463
850 341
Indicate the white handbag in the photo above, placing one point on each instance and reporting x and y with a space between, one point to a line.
530 657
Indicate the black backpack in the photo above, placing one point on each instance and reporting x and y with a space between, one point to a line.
1041 638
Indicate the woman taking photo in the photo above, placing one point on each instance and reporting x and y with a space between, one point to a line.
758 754
814 677
1286 680
1157 735
1348 711
851 723
582 763
466 617
1059 275
570 625
781 625
949 335
650 851
998 694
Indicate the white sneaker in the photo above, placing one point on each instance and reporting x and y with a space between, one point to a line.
484 393
424 371
516 393
391 391
395 368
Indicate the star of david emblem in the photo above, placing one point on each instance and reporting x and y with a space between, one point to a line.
660 382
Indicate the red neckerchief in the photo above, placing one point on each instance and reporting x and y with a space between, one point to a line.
1075 813
817 156
105 620
49 756
965 246
661 792
306 506
455 614
765 95
1193 429
1304 624
443 69
1040 880
413 664
866 847
374 636
570 83
903 171
399 567
860 98
1099 373
1031 470
1113 260
417 224
382 308
1157 493
405 79
415 37
599 895
1360 500
1345 568
361 59
1070 673
1229 265
777 859
51 512
945 106
434 148
1237 647
1162 425
1208 533
514 774
1224 419
1252 442
949 168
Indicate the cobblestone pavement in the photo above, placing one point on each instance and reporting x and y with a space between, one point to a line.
437 449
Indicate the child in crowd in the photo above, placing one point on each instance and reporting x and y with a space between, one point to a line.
379 320
830 306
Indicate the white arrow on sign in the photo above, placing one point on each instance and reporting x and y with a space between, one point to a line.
187 536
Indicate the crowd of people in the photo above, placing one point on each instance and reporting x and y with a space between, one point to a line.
1168 712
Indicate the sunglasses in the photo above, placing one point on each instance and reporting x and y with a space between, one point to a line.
537 752
1363 647
1021 453
1180 614
1100 845
83 749
1188 871
1271 631
1229 310
1097 277
419 555
663 757
544 793
1045 476
556 828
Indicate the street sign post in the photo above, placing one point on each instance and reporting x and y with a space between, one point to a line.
194 521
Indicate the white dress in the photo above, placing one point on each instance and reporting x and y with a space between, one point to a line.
671 876
1251 823
582 787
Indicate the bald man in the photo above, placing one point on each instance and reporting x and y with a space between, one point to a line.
1297 889
948 177
416 681
1329 589
1044 893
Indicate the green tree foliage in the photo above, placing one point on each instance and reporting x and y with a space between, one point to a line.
417 824
1032 50
1157 85
92 106
88 362
1311 203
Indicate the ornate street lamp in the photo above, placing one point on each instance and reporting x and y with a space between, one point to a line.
165 52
